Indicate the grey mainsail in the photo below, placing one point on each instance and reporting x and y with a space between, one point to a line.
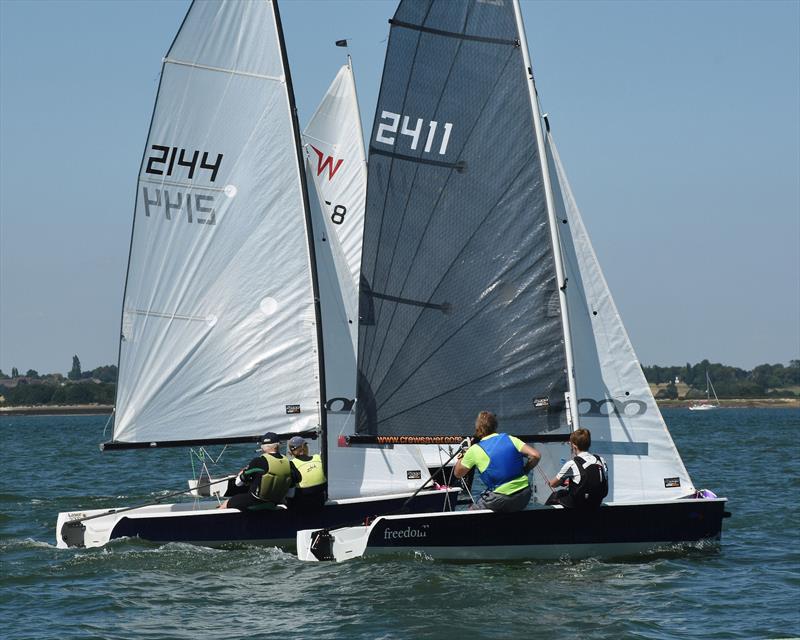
459 307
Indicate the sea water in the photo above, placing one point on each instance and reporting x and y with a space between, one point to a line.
749 587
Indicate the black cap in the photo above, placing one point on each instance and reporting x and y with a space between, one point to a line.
270 438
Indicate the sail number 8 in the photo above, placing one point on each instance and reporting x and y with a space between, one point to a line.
339 211
387 131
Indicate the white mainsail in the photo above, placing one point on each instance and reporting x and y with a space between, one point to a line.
219 336
614 399
337 165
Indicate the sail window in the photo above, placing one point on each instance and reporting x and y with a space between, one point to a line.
268 306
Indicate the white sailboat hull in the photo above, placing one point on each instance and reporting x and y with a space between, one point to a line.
702 407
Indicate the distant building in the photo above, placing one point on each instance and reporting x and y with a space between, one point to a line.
13 382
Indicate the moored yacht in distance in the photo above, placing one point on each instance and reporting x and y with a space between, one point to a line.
707 405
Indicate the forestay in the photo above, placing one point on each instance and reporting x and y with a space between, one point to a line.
459 305
614 399
219 336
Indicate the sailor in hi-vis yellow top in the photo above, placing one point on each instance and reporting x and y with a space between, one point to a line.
503 463
310 491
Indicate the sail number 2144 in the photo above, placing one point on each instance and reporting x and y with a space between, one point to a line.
166 159
391 122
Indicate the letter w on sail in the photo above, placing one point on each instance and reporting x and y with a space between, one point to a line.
326 162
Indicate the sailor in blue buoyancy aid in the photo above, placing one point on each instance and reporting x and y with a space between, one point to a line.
503 463
586 475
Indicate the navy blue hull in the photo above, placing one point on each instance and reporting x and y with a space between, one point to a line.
681 521
222 527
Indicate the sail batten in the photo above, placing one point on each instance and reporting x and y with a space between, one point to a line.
453 34
235 72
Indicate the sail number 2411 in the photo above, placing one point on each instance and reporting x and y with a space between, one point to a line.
390 122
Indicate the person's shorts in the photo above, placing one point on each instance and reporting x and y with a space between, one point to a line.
502 503
308 499
561 497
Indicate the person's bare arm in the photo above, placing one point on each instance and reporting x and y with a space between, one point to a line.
533 456
459 471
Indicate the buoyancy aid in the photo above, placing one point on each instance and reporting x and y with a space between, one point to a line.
311 471
593 487
505 462
275 482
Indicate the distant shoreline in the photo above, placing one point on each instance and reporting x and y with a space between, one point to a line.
102 409
59 410
738 403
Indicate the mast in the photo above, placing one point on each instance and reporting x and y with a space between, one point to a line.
312 256
572 405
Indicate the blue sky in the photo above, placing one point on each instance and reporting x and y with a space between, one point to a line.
678 123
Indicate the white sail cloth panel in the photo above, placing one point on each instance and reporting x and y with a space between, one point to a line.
336 162
340 180
219 338
614 399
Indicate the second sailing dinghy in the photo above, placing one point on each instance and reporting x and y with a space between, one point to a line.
222 336
707 405
480 291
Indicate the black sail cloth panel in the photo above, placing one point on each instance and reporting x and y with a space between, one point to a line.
459 307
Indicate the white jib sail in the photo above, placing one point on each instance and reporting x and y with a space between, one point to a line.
337 166
219 337
614 399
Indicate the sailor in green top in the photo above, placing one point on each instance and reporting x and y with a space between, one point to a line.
266 480
311 489
503 463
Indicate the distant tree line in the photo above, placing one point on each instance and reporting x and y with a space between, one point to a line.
99 385
26 394
96 386
107 373
764 381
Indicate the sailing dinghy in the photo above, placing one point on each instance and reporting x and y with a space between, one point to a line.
480 290
235 321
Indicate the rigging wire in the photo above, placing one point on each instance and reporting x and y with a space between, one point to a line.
110 416
203 455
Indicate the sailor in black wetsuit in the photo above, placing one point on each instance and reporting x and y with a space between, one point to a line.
586 475
268 478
